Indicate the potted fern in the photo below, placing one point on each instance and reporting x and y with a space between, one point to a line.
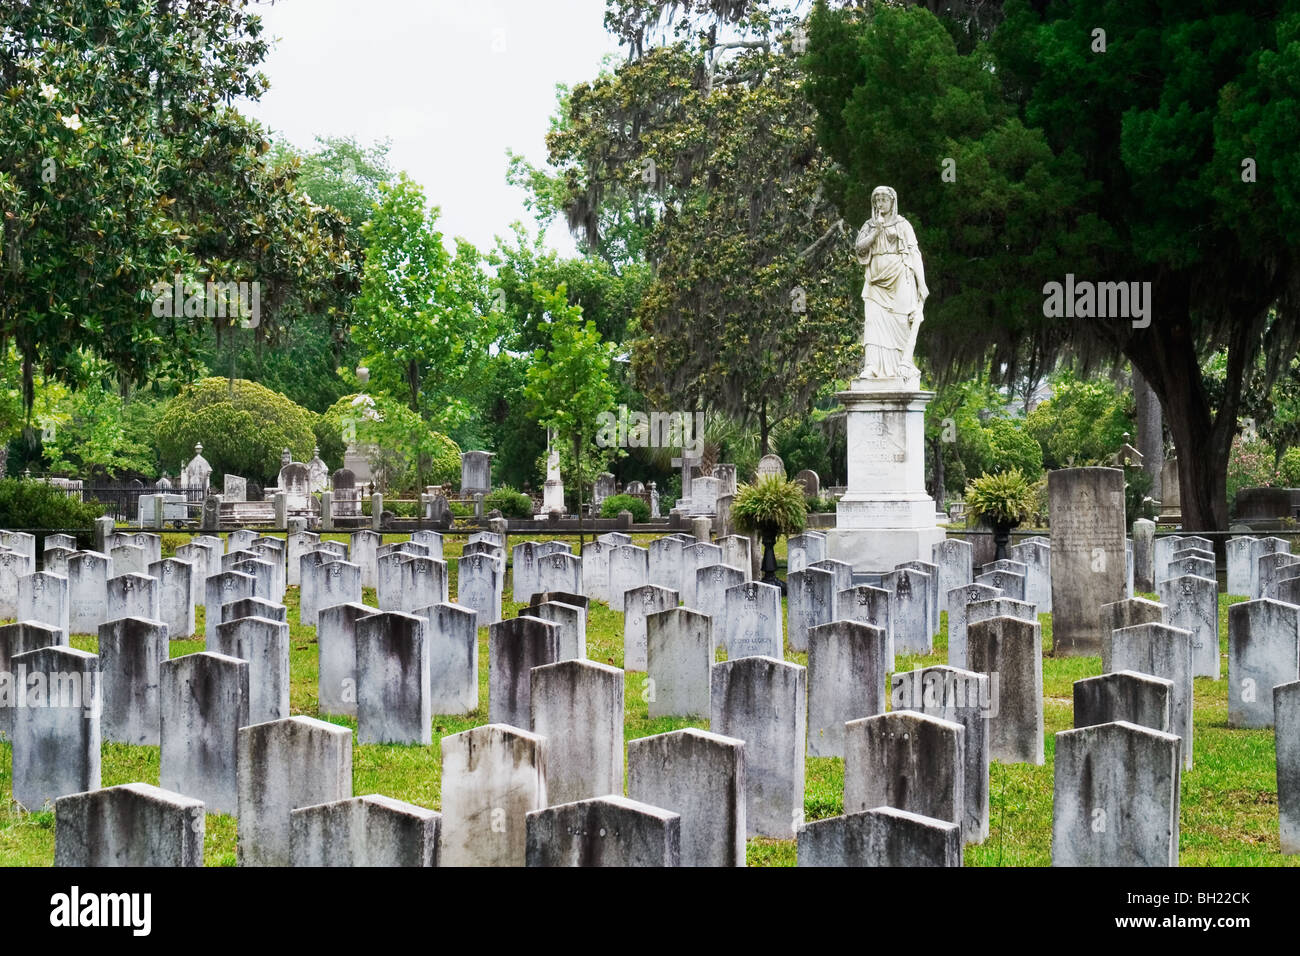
770 507
1000 500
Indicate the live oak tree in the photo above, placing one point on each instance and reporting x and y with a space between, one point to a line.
753 308
1135 143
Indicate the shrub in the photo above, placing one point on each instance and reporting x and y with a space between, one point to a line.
510 502
818 504
34 504
1289 469
243 427
611 506
1002 498
771 504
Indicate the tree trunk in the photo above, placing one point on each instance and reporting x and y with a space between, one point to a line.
1150 431
762 429
1167 358
577 467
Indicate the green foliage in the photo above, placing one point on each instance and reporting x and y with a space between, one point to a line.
509 501
770 505
1289 468
611 506
817 504
568 386
34 504
1001 444
1137 500
804 445
243 427
1004 497
122 165
96 432
405 454
1251 465
423 320
1084 422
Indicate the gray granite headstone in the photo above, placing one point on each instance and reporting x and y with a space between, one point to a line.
604 831
1088 554
492 777
1263 652
1142 699
1011 649
883 836
1163 651
846 681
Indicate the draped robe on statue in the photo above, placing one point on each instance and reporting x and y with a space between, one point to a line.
891 296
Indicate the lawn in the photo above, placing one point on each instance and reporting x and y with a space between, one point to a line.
1229 799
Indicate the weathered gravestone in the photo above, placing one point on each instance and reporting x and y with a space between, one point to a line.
224 588
136 824
764 702
479 581
966 698
1193 604
363 551
393 680
265 645
701 777
955 560
906 760
13 565
132 595
1115 797
737 552
19 638
1142 699
868 605
884 836
1162 651
694 557
810 601
666 563
752 621
336 651
128 559
56 729
1286 745
373 830
453 657
629 567
846 681
909 610
560 571
804 549
679 653
515 647
1011 648
1087 519
253 607
578 707
131 653
1007 581
959 601
604 831
711 586
176 583
43 597
638 605
492 777
932 593
1036 556
203 703
1126 613
1263 652
572 621
285 765
1144 566
88 574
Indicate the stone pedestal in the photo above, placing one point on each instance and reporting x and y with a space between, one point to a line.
886 516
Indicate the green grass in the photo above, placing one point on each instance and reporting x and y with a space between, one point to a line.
1229 798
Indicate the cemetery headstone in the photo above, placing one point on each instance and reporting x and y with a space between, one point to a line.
1087 519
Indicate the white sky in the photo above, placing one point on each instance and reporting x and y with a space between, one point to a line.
452 83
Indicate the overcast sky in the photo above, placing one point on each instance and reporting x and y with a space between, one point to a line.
452 83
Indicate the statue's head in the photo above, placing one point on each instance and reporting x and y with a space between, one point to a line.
884 202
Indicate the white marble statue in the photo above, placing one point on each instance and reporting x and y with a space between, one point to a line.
894 292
